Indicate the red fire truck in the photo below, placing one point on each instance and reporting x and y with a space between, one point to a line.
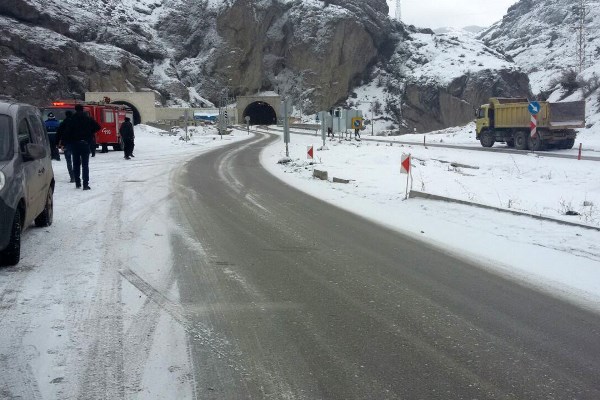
108 116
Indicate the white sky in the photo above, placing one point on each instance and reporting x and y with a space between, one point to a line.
451 13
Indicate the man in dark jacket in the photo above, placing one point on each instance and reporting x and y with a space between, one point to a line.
60 132
80 133
126 132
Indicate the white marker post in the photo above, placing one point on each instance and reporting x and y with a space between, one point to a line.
285 107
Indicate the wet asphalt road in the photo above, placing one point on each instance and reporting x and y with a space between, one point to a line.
288 297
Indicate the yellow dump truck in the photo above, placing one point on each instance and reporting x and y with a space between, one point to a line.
508 120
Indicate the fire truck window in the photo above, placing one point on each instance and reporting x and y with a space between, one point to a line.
109 116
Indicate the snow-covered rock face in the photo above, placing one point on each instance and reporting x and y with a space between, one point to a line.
305 49
62 48
435 81
314 51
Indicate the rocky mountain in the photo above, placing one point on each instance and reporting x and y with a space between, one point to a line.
189 51
542 37
433 81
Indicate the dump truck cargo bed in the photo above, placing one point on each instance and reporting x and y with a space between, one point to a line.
514 113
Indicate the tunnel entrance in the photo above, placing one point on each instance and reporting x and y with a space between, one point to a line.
136 114
260 113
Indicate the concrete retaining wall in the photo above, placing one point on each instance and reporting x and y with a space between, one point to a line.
416 194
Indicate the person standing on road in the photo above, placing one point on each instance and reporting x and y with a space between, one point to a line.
52 127
80 133
60 132
128 136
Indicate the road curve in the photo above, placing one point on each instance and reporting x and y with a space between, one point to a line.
287 297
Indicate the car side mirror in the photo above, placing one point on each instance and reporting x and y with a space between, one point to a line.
34 151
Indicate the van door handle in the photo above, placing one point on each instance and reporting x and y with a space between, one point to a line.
41 171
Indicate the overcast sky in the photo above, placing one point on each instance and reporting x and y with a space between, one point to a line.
451 13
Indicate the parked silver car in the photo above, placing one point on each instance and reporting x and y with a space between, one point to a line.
26 176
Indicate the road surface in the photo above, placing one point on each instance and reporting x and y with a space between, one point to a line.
287 297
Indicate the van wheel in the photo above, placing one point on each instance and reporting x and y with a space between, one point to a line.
487 139
521 139
12 253
45 217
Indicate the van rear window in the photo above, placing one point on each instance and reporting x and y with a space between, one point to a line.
6 138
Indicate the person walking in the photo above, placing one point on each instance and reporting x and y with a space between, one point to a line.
80 133
51 127
68 150
128 136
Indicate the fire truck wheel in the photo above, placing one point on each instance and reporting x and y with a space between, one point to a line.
119 146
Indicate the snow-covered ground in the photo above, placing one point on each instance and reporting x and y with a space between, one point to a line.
562 259
108 257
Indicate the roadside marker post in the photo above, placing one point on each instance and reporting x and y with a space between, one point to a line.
405 169
534 108
533 125
579 154
323 116
285 108
310 152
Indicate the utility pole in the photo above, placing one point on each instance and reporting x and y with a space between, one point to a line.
583 10
398 11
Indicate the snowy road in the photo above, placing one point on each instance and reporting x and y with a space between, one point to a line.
299 299
179 277
92 310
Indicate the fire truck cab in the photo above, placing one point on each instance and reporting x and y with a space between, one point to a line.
108 116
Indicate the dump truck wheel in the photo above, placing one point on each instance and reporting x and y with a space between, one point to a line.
536 143
521 142
568 143
487 139
510 142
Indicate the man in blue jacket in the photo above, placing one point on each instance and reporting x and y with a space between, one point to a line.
51 127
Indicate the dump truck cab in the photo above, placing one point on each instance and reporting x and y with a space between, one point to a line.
482 122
